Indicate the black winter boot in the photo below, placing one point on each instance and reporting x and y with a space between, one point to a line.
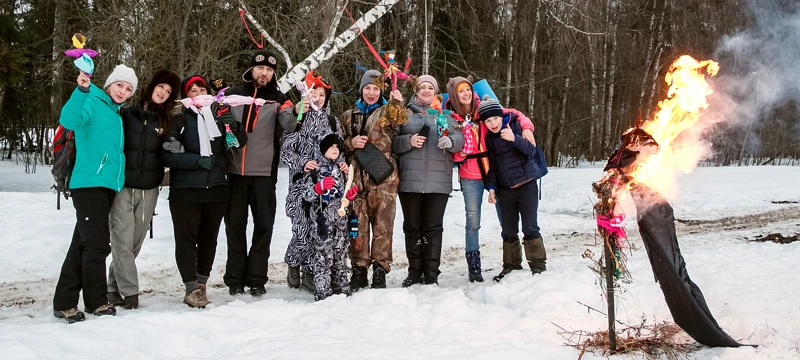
431 255
236 290
115 299
359 278
512 257
536 254
415 266
293 277
307 282
378 276
258 290
130 302
474 265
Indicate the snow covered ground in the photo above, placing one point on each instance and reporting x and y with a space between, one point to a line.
753 289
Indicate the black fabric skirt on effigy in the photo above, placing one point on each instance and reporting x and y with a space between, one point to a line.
685 300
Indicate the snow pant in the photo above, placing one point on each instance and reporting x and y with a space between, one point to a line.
330 241
256 194
423 215
375 207
84 267
196 227
519 202
129 222
300 250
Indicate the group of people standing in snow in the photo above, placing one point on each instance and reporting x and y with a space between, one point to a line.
345 174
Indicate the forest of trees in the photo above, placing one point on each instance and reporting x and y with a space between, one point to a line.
584 70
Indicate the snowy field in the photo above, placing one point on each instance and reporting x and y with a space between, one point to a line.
753 289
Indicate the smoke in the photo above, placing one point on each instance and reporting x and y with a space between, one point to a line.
760 64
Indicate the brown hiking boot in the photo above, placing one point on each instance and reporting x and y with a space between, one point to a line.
196 299
106 309
203 288
72 315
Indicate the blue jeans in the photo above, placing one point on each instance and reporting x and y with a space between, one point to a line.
473 199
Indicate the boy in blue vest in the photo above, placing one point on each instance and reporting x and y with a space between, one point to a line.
511 181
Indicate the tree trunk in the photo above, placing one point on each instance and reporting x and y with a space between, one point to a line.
649 53
594 109
657 63
534 41
562 121
510 31
426 44
409 31
338 8
188 4
56 94
612 71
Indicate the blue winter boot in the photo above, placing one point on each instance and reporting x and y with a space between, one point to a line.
474 266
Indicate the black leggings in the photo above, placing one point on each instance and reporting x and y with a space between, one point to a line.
196 227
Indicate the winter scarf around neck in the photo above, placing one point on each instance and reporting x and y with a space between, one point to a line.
207 128
366 109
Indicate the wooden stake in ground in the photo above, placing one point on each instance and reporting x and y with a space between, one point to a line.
612 333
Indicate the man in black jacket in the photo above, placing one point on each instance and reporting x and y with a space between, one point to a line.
253 174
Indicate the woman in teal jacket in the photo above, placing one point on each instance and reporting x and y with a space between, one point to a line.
92 113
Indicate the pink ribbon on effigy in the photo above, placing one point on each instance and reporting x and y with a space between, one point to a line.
614 225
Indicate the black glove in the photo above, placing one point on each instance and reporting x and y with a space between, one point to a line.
174 146
226 118
224 114
206 162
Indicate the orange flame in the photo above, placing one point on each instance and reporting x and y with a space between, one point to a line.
674 126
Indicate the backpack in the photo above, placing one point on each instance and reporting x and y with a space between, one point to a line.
63 162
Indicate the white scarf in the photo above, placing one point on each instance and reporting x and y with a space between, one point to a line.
207 129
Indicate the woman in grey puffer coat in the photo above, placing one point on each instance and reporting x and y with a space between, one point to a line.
425 165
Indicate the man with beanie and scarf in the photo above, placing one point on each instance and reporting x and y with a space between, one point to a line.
253 174
92 113
375 204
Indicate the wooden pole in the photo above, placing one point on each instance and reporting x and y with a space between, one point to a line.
610 268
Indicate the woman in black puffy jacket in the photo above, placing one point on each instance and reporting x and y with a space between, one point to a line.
195 153
144 125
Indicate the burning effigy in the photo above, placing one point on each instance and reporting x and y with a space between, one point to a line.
642 165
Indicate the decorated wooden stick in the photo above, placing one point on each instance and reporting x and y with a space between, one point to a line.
83 56
347 187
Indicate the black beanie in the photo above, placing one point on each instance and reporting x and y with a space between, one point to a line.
489 108
258 58
328 141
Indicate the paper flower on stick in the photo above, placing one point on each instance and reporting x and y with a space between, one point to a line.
83 56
